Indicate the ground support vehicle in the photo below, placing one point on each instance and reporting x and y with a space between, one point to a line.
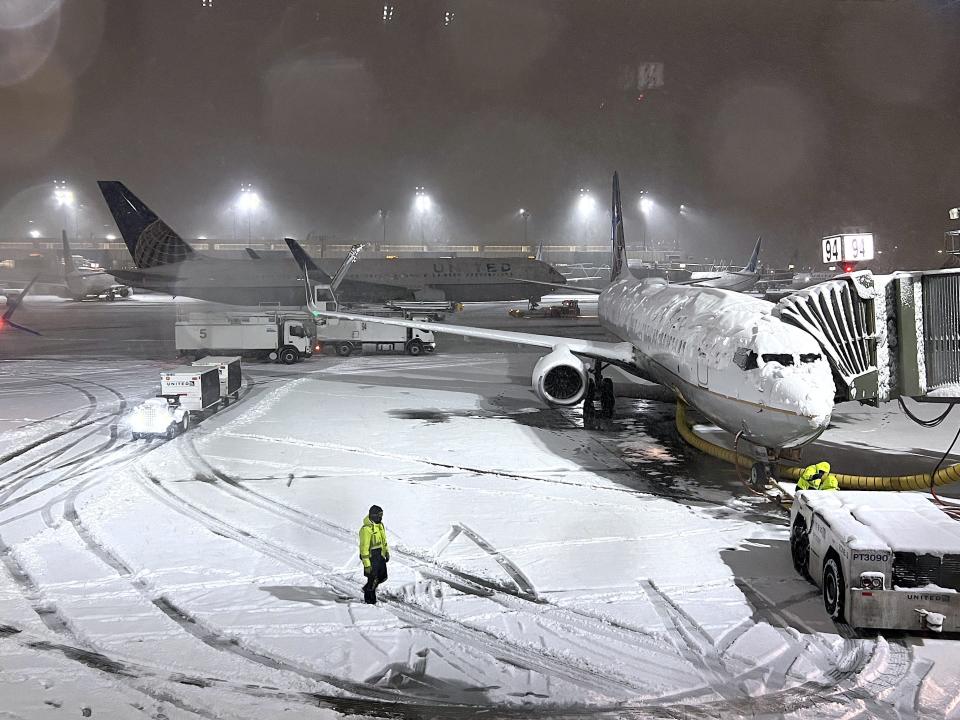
567 308
230 374
158 417
284 337
350 336
882 559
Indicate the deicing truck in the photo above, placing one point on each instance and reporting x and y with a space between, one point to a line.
284 337
882 559
349 336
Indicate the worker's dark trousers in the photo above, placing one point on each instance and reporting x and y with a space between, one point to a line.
378 573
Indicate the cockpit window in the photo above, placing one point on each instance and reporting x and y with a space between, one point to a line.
784 359
810 357
745 359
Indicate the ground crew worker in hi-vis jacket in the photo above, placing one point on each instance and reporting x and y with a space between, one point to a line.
374 553
817 477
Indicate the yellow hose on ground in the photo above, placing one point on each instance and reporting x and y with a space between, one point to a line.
921 481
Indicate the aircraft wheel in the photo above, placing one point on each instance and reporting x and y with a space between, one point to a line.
759 477
834 591
134 436
588 397
344 349
125 292
111 297
607 397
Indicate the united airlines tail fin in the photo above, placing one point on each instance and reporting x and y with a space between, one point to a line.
305 262
149 239
68 266
618 258
752 265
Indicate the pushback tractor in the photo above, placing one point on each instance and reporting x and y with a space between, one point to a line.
882 560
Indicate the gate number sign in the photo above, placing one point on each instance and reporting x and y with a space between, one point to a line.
847 248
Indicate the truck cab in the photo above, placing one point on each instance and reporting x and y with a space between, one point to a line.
881 559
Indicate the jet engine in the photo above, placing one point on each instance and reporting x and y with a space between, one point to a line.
560 378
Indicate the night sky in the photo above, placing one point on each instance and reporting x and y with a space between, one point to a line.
791 119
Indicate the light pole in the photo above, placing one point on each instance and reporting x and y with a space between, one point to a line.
65 199
247 202
646 205
422 204
383 221
680 215
525 214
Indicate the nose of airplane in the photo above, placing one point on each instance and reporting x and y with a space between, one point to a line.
808 394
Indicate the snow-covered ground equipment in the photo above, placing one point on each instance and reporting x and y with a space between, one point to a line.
882 560
567 308
349 336
195 389
230 374
158 416
283 337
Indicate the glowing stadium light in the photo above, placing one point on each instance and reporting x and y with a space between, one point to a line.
422 201
111 236
63 195
34 234
646 204
585 203
248 199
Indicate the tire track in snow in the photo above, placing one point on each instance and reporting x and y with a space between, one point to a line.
500 648
515 598
202 631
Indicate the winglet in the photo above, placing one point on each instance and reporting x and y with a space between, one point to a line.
5 319
618 258
752 265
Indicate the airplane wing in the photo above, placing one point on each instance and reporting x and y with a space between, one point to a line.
561 286
619 352
5 319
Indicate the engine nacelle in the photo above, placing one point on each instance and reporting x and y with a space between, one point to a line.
560 378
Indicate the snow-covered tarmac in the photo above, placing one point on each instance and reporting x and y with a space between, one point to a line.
538 567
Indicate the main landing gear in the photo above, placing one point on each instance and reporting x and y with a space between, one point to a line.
598 385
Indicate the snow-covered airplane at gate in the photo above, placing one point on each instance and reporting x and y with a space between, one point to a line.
723 353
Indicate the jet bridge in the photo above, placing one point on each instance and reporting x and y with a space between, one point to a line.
886 336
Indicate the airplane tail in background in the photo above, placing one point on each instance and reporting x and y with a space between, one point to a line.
68 266
618 258
149 239
752 265
305 262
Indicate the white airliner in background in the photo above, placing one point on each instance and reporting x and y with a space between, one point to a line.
722 352
89 283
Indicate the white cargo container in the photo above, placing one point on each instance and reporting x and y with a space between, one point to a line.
882 559
195 389
283 337
230 374
349 336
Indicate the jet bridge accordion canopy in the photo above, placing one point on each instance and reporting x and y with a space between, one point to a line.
886 336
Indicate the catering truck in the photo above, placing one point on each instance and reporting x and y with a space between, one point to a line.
349 336
284 337
882 559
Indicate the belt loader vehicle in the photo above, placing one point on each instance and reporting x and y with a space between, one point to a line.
284 337
882 559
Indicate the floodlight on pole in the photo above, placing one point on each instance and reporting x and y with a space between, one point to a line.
646 204
34 234
63 195
585 203
421 200
525 214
